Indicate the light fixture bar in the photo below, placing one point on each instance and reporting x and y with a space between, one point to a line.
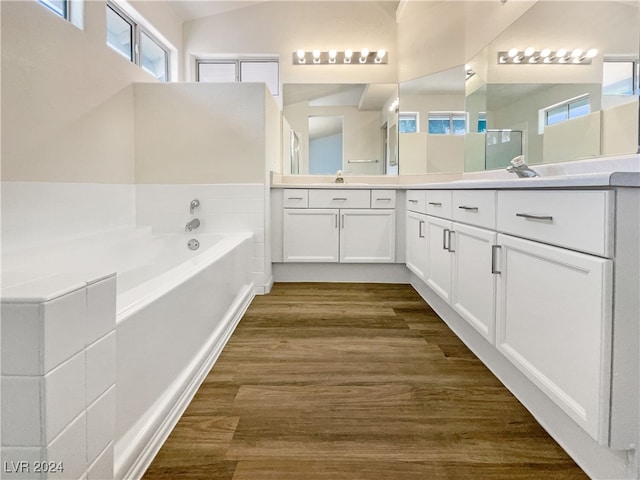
546 56
364 56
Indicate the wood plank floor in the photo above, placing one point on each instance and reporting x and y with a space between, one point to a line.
353 381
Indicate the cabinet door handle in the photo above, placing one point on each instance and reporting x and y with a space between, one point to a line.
435 204
339 198
469 209
342 220
494 257
294 198
413 201
335 216
535 217
445 236
420 229
450 242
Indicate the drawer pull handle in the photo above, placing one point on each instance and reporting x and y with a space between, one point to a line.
340 198
294 198
494 256
535 217
384 199
435 204
469 209
413 201
420 229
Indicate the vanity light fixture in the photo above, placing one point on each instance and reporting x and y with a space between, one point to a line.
334 57
546 56
394 105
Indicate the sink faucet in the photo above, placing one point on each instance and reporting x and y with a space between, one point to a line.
191 225
339 178
520 168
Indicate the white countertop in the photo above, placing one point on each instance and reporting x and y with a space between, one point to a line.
583 180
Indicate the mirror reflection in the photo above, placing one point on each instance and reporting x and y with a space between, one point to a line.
348 127
325 144
432 123
561 112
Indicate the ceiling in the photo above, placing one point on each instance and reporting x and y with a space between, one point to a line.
366 97
192 9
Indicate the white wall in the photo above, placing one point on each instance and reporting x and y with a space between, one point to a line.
200 133
280 28
67 97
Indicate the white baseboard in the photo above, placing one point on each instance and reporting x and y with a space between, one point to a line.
180 394
341 272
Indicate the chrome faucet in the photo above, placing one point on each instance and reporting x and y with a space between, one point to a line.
339 178
193 205
192 225
520 168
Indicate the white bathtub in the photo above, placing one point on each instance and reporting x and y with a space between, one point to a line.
175 310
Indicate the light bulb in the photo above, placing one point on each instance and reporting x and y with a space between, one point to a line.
545 53
348 53
561 53
364 52
380 55
529 51
316 56
577 53
513 52
592 53
332 55
300 53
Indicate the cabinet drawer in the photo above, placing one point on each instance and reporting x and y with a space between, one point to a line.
416 201
439 203
475 207
383 198
339 198
576 219
295 198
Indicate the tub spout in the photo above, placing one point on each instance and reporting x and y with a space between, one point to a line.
192 225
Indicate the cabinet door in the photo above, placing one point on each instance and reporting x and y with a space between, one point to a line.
474 284
439 256
554 324
310 235
367 236
416 244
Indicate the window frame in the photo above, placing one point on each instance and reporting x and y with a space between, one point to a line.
137 29
453 115
238 61
415 116
566 104
635 75
66 13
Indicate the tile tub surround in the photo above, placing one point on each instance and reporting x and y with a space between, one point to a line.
58 373
223 208
36 214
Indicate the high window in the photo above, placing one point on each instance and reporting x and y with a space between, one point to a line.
134 42
264 70
620 77
408 122
61 7
576 107
447 123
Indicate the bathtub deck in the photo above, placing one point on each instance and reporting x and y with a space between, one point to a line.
353 381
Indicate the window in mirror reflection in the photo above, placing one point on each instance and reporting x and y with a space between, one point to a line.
620 78
408 122
573 108
482 122
447 123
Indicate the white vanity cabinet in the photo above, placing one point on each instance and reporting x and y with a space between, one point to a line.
339 225
439 265
416 250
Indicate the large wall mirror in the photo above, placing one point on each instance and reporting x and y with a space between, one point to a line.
348 127
556 112
480 116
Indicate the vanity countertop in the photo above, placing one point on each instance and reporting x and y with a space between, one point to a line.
582 180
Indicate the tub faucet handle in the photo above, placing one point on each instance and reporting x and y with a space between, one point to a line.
192 225
192 206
